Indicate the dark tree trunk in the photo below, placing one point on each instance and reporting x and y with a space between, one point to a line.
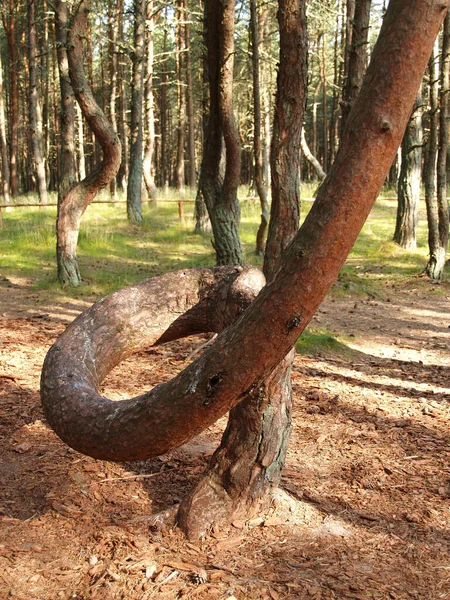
357 54
409 181
173 412
134 189
257 147
78 197
34 106
220 190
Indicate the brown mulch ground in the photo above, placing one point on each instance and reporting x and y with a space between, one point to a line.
365 508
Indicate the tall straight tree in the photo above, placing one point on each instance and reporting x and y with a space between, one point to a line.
3 141
115 10
435 262
409 181
257 145
180 40
134 189
147 165
441 242
219 188
67 170
34 105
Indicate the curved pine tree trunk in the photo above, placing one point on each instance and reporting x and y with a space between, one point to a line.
78 197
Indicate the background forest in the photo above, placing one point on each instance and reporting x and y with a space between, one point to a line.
146 64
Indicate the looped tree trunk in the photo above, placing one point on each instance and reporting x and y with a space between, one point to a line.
155 311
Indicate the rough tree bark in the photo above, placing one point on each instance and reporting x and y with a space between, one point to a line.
219 189
285 153
78 197
34 106
409 181
175 411
134 188
357 54
257 146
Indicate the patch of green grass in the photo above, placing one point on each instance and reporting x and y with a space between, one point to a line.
319 342
113 253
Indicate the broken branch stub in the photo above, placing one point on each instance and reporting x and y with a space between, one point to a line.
155 311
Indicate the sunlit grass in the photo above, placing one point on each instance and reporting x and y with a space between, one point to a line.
113 253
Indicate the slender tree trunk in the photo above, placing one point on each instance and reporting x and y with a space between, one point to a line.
134 189
122 176
78 197
443 208
34 105
257 147
181 94
409 182
436 260
323 76
202 222
147 164
10 26
115 10
220 190
190 107
67 114
3 142
357 55
310 157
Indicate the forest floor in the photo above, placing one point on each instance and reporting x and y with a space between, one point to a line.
364 511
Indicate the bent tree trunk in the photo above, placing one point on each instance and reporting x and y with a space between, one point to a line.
173 412
78 197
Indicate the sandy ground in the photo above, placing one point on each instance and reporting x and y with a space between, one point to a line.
365 505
